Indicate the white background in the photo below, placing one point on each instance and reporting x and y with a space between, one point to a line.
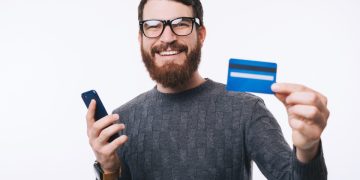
52 50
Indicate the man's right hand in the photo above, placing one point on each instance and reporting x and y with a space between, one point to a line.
99 132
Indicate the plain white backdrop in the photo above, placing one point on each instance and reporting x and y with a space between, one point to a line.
53 50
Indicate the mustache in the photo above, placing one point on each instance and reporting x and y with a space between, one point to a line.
173 46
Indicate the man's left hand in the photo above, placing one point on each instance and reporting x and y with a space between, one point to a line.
307 115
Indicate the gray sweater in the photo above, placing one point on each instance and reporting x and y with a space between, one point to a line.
207 133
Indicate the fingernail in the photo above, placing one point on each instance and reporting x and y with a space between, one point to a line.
275 87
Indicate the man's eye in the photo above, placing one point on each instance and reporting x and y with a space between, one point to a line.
182 24
152 25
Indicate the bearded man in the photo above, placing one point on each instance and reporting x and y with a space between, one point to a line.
190 127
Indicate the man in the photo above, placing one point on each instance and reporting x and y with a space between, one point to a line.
189 127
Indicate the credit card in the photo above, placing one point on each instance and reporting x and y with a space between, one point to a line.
251 76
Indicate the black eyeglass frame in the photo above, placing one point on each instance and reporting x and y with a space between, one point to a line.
165 23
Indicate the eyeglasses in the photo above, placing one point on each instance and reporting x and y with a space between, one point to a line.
181 26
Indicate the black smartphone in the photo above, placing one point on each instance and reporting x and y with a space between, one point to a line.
100 110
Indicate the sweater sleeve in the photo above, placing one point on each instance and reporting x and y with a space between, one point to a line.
267 147
315 169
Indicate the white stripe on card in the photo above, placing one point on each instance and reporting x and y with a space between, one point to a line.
252 76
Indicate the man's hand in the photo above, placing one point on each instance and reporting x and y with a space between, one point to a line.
307 115
99 132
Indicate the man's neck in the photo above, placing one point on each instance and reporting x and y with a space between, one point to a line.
195 81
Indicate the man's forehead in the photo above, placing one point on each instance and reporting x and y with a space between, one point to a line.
166 9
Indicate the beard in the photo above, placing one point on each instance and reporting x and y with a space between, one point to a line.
172 75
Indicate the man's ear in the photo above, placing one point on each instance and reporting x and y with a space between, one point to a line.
202 34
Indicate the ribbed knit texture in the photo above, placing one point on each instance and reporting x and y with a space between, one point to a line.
207 133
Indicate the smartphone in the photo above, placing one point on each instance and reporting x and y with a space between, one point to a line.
100 110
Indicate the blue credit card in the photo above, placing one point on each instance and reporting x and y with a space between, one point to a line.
251 76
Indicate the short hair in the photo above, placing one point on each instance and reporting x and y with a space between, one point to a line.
195 4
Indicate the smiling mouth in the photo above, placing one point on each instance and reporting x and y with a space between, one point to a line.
169 53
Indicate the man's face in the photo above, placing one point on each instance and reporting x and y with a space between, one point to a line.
170 59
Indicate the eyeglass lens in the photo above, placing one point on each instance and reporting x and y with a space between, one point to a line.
180 26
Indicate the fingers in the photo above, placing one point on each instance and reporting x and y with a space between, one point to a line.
107 155
306 98
283 90
307 130
116 143
100 143
106 149
106 133
98 126
287 88
307 113
289 93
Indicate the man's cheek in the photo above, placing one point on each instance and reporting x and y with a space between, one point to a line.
147 48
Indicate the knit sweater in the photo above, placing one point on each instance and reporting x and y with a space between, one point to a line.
207 133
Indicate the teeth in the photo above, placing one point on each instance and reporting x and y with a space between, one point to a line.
168 53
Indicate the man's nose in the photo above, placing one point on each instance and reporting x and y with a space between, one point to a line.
167 36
